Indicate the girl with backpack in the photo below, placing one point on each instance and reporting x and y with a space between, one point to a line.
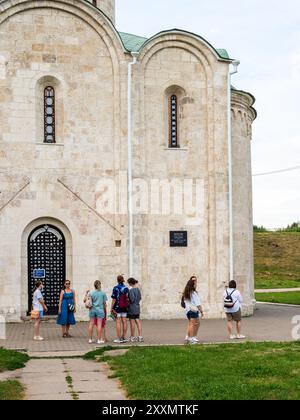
96 303
191 302
134 311
119 309
232 305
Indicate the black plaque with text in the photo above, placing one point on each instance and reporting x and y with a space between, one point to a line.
178 239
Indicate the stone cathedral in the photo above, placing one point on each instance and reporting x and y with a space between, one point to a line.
88 113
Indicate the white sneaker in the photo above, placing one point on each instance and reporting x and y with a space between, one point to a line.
241 337
195 339
38 338
141 339
118 341
90 341
232 337
100 342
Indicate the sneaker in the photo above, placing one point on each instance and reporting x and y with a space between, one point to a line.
118 341
232 337
241 337
133 339
100 342
38 338
124 340
141 339
90 341
195 339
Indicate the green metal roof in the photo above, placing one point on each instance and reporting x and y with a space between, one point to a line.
133 43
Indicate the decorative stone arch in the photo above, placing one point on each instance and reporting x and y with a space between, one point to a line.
187 37
80 8
28 230
203 52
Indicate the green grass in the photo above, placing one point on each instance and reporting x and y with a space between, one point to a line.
258 371
12 360
277 260
99 352
289 298
11 390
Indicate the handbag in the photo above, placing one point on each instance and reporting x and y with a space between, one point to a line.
71 307
35 314
88 302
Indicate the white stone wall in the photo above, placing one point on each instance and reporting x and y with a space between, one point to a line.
242 119
64 49
74 47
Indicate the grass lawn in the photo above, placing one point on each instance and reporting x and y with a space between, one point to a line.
257 371
290 298
11 391
277 260
12 360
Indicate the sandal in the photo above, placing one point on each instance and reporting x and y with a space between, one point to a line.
64 336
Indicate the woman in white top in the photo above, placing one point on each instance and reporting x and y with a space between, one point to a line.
38 304
192 304
233 309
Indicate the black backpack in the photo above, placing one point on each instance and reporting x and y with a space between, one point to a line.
228 301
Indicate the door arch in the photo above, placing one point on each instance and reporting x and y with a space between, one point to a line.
47 262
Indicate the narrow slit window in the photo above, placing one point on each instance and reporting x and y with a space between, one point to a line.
173 121
49 115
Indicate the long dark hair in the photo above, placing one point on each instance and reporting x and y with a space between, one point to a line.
132 282
190 288
37 285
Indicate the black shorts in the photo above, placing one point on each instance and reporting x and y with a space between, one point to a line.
133 316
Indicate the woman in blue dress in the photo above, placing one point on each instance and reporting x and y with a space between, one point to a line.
67 309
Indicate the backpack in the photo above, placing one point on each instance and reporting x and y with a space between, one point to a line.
88 302
124 299
228 301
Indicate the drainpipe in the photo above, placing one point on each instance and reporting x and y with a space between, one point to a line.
129 129
235 64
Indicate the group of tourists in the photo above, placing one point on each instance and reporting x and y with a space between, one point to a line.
125 305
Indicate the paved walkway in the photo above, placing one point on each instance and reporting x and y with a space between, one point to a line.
270 323
69 379
295 289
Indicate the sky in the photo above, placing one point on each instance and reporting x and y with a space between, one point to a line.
265 37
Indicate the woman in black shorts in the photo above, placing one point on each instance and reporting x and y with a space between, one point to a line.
134 311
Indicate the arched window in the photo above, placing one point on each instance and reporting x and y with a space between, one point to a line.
173 121
49 115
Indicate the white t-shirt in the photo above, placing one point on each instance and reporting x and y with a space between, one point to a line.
236 297
195 301
37 296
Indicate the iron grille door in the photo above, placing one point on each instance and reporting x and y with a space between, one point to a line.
47 251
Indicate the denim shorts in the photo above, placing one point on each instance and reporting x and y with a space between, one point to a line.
41 314
192 315
94 313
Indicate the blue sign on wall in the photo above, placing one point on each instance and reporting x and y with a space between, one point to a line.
39 273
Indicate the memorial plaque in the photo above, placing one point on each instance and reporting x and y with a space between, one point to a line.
178 239
39 273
